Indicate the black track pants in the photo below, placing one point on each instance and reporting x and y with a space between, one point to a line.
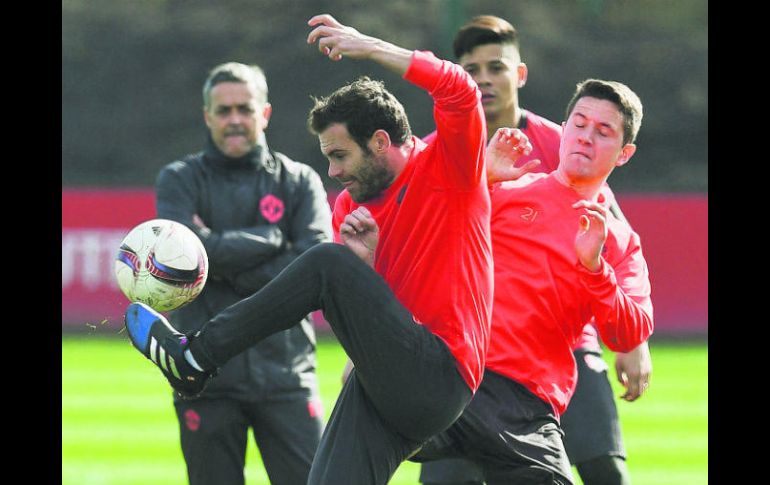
405 388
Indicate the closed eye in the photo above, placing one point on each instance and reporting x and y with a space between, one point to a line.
336 155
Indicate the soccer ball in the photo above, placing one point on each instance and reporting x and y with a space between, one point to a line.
161 263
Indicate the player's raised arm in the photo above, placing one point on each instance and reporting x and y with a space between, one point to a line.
458 113
459 117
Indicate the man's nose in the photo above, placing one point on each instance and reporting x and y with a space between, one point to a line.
334 171
586 137
234 118
482 77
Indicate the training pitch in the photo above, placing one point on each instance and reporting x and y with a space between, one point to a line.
119 426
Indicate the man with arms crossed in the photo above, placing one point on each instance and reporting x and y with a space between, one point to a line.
488 48
408 293
255 210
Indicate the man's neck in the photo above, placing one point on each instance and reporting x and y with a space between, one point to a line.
505 119
586 190
399 157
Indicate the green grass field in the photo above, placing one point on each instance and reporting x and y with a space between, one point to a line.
119 427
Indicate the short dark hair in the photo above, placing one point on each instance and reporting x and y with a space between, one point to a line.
235 72
484 29
364 106
622 96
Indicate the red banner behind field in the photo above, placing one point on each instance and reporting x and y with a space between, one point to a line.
674 233
673 228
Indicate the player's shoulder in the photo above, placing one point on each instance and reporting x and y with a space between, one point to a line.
607 195
540 124
621 238
430 137
295 169
529 181
189 162
342 206
343 201
616 222
288 162
526 189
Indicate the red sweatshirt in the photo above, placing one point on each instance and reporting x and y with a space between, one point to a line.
545 137
544 296
434 249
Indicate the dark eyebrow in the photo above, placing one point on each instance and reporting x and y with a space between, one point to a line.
336 151
228 107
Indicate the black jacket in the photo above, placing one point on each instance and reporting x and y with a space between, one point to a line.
262 211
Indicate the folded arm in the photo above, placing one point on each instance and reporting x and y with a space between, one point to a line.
310 224
228 250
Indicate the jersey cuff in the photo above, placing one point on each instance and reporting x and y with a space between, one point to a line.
596 280
423 70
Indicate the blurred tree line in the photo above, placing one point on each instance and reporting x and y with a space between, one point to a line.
132 74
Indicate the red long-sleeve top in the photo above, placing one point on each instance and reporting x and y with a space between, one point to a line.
545 137
543 295
434 248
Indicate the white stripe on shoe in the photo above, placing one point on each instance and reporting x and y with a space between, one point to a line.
162 359
165 361
173 368
153 350
191 360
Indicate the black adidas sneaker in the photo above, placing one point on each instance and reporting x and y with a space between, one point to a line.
156 339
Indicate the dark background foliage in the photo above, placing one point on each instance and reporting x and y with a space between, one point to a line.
132 73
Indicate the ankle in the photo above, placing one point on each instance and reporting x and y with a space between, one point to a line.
191 360
197 356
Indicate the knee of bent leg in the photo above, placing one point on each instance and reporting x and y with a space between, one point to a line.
604 470
331 253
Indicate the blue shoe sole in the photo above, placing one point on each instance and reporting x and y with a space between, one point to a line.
141 324
139 319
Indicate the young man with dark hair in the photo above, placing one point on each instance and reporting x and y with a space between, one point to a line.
560 258
408 289
488 48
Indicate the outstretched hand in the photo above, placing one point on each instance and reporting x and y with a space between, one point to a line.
505 147
591 234
336 40
360 232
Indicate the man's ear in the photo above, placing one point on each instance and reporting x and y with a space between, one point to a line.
380 141
206 117
625 154
267 111
522 72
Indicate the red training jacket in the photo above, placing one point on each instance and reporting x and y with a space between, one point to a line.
435 250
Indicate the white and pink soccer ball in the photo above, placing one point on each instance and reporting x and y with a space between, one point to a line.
161 263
